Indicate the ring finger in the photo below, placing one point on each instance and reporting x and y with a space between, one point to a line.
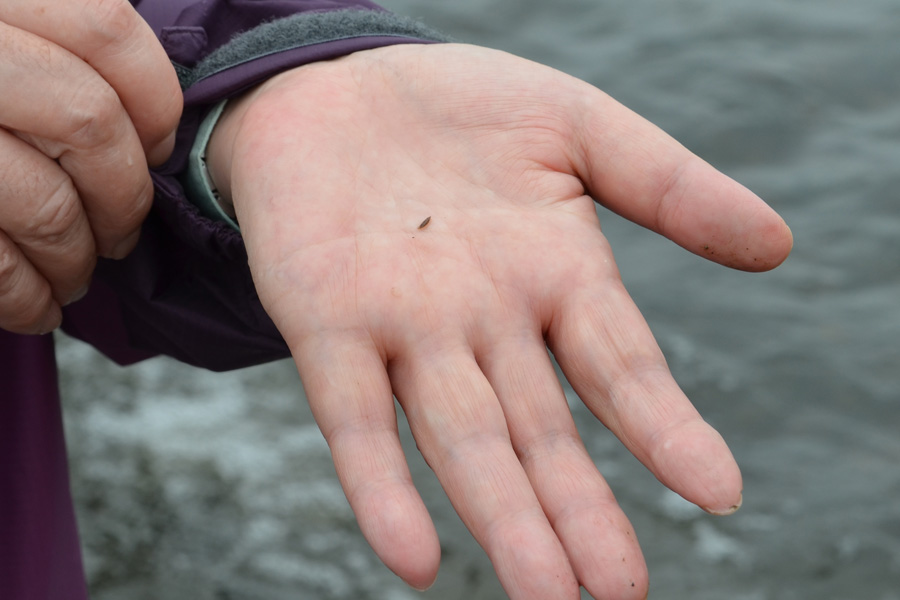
598 538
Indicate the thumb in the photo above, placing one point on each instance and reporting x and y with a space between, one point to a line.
638 171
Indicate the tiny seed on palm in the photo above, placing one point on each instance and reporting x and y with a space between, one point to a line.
425 223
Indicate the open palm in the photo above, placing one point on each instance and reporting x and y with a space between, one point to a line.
420 222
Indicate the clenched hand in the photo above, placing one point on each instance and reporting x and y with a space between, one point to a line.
89 97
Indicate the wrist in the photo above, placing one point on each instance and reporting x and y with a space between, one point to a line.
219 151
232 138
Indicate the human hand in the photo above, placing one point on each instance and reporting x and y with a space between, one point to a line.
334 169
88 93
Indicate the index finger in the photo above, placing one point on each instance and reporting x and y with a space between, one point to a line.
608 354
638 171
110 36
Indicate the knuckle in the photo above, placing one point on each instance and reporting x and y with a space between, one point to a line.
54 221
10 261
33 51
552 442
93 117
111 20
671 191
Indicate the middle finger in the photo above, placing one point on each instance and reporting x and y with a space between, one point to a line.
461 431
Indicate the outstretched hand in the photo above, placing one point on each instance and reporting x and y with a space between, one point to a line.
420 222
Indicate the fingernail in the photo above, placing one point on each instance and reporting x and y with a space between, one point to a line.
125 246
726 511
421 589
161 152
419 586
51 321
78 295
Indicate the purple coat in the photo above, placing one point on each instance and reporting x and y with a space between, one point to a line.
185 291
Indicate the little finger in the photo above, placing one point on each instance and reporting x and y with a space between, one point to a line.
350 396
26 304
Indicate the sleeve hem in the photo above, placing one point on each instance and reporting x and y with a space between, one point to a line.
303 30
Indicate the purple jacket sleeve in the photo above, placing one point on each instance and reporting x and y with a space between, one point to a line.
40 558
186 289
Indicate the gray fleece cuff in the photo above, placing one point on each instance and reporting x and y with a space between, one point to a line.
306 29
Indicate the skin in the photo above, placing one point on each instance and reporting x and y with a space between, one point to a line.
508 158
95 99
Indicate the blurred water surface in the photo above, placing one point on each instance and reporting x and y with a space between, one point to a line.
198 486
